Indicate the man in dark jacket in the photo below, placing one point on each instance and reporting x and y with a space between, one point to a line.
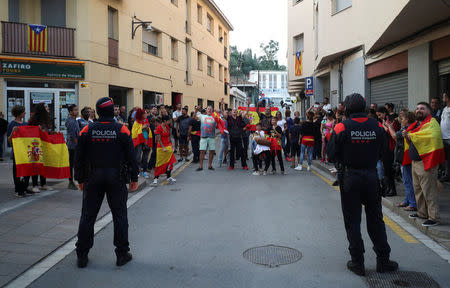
3 129
104 157
236 127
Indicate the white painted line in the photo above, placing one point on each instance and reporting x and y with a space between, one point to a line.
54 258
38 269
416 233
23 201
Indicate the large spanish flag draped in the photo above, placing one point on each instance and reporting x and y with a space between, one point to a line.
164 160
138 136
427 139
38 153
254 116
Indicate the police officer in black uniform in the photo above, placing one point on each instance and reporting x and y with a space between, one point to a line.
104 157
355 147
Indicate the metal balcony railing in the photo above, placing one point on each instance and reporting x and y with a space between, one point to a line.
60 41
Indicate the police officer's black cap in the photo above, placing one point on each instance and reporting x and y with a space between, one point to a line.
354 103
105 107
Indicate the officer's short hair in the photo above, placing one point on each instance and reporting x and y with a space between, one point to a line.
71 107
354 103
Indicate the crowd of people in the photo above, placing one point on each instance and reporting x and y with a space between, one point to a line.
160 133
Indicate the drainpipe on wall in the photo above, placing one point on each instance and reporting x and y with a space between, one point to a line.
341 84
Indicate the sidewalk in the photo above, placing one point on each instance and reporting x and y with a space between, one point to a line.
35 227
440 233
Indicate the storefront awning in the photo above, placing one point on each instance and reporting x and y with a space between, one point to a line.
326 60
416 16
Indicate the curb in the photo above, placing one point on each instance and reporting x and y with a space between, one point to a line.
437 233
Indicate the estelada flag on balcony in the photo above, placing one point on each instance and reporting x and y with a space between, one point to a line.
298 64
37 38
38 153
137 134
427 139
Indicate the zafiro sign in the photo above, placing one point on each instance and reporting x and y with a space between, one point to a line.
309 86
41 69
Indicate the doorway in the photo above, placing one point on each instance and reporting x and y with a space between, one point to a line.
177 98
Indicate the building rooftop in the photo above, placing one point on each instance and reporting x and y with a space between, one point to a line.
219 12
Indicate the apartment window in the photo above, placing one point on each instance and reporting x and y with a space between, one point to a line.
113 21
270 81
53 12
210 24
199 61
264 79
174 49
339 5
13 11
225 86
210 67
220 34
188 62
275 81
174 2
199 14
225 38
210 103
220 73
150 42
298 43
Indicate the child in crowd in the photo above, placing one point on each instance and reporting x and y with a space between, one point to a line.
274 133
260 152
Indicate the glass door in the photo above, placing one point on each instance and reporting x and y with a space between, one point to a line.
47 97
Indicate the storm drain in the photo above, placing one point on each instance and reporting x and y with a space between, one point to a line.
272 256
400 279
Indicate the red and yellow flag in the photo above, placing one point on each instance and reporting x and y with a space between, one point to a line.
138 136
164 160
37 38
299 64
254 116
38 153
219 122
427 139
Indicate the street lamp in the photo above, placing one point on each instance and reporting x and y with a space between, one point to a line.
139 23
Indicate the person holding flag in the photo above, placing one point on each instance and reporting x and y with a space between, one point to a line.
424 148
142 140
164 153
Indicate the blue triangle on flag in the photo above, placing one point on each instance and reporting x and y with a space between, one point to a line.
37 28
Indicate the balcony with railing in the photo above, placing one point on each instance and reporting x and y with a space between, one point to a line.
60 41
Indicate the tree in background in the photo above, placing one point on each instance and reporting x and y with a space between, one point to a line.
241 63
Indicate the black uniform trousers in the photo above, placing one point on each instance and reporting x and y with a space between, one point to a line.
360 187
104 181
236 150
195 143
245 143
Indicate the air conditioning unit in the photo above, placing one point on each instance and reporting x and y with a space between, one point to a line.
159 99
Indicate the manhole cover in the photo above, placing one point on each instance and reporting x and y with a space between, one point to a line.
272 256
400 279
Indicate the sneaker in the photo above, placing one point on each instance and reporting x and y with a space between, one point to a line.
429 223
199 169
72 186
299 168
283 172
245 168
35 189
264 173
256 173
186 160
180 160
145 174
309 168
211 168
124 259
155 182
415 215
21 195
46 188
82 261
230 168
28 192
273 172
171 180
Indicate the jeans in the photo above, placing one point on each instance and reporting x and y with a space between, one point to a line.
223 147
142 156
380 170
310 151
410 198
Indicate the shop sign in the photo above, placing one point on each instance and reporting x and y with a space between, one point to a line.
41 69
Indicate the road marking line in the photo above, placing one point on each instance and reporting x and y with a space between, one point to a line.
328 181
409 230
44 265
27 200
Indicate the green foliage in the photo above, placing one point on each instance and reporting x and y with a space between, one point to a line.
241 63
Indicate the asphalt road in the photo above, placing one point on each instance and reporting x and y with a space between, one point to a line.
193 234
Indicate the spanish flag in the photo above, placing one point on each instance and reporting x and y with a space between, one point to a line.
138 136
220 123
164 160
308 141
427 139
38 153
254 116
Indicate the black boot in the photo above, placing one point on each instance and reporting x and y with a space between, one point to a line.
82 260
123 259
356 267
386 265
